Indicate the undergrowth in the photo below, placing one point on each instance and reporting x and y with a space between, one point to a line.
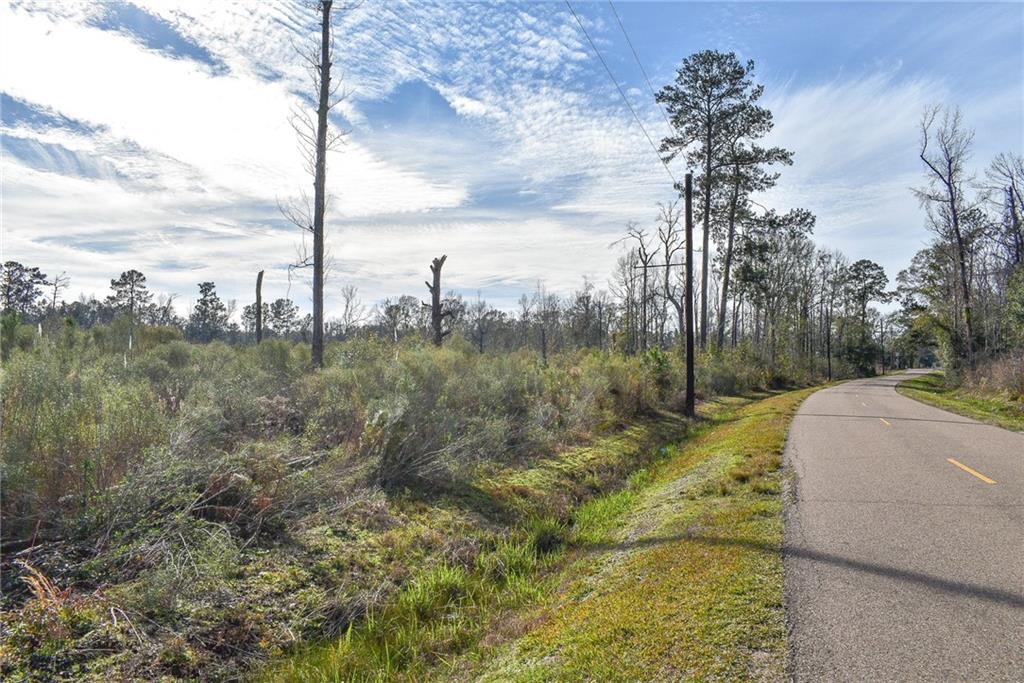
196 511
1001 408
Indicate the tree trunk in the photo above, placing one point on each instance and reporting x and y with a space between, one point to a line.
690 394
965 284
705 245
727 264
320 182
828 341
437 315
259 307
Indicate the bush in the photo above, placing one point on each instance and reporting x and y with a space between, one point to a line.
72 426
1003 375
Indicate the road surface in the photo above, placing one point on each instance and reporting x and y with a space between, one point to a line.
904 550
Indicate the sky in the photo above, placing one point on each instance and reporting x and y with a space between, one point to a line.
155 134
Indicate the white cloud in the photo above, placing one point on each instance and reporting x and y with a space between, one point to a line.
201 154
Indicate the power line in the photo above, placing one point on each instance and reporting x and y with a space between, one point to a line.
622 93
641 65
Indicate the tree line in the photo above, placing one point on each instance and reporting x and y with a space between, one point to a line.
764 285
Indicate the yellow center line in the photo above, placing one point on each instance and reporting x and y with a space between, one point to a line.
976 473
885 421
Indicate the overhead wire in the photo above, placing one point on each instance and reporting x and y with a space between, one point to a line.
622 93
640 64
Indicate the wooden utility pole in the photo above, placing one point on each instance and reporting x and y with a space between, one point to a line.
690 407
259 307
437 315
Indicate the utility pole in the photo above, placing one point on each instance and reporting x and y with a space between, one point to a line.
259 307
689 410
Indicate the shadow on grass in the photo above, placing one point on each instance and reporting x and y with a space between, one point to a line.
936 583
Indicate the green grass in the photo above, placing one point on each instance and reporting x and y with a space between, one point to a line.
441 611
446 618
677 578
993 409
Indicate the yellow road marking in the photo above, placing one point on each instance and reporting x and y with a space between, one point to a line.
885 421
976 473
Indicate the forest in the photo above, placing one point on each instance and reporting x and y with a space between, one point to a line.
242 489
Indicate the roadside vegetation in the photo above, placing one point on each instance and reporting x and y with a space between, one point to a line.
190 510
683 578
450 489
978 398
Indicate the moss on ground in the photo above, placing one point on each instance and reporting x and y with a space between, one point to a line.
686 582
996 409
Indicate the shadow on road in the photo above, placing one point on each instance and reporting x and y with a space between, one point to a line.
921 579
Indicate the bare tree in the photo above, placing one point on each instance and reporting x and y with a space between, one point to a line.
1005 187
481 317
670 234
58 283
438 311
645 256
353 312
316 138
945 150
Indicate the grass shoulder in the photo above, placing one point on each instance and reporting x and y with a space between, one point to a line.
679 575
996 409
567 519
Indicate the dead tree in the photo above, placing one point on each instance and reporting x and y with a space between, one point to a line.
259 307
437 311
58 283
316 139
944 196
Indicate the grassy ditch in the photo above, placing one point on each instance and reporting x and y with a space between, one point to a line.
681 578
631 559
995 409
518 524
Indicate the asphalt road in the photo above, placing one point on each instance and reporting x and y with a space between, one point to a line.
899 564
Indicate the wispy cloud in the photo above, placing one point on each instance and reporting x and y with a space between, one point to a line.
155 135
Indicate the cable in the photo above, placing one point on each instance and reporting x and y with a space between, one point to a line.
622 93
641 65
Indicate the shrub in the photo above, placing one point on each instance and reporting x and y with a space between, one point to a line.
72 426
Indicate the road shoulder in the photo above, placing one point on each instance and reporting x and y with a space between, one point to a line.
686 583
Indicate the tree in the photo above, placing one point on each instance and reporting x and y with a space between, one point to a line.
130 294
209 317
1005 178
773 249
316 139
250 319
353 313
56 285
672 240
945 149
713 96
867 282
481 319
20 288
743 173
283 317
438 312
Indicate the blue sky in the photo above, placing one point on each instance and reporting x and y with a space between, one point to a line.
154 135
